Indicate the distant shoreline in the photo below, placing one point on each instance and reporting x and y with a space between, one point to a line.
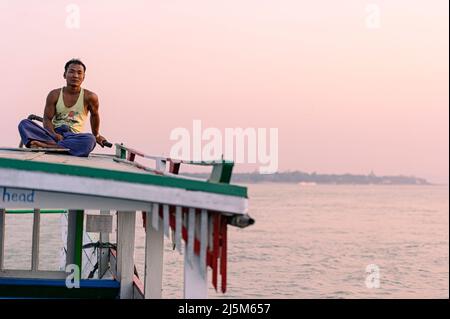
330 184
302 178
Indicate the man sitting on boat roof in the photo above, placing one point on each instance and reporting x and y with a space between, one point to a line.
65 113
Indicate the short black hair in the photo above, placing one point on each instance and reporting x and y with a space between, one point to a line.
74 61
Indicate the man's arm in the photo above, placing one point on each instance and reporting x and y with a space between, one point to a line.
49 113
95 117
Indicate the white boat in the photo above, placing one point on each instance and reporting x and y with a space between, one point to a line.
197 212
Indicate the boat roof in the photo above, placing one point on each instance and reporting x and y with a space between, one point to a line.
43 169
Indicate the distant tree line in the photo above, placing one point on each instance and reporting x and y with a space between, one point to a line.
302 177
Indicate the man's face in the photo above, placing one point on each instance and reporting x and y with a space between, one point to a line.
74 75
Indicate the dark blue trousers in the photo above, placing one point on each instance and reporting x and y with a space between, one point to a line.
79 144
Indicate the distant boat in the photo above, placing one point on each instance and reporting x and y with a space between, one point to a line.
307 184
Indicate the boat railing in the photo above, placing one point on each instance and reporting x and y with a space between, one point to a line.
221 169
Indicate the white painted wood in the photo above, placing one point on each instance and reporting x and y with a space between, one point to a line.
54 200
118 152
35 240
103 253
160 165
117 261
203 239
155 216
210 231
191 234
116 190
154 254
125 252
41 274
2 237
166 219
178 227
195 281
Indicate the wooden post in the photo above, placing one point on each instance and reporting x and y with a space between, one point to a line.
35 241
195 280
79 240
195 274
154 253
125 252
71 220
2 237
75 238
103 253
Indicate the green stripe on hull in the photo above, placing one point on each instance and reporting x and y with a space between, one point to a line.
31 211
147 179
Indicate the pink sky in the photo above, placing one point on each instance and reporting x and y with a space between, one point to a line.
344 97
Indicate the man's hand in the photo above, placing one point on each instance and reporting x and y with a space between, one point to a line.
100 139
58 137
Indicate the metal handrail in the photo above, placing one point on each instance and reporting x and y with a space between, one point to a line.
32 117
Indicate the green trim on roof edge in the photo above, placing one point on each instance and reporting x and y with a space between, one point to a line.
138 178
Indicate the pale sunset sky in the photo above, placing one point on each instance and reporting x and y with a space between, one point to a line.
345 97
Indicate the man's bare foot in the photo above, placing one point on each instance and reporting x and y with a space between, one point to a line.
38 144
